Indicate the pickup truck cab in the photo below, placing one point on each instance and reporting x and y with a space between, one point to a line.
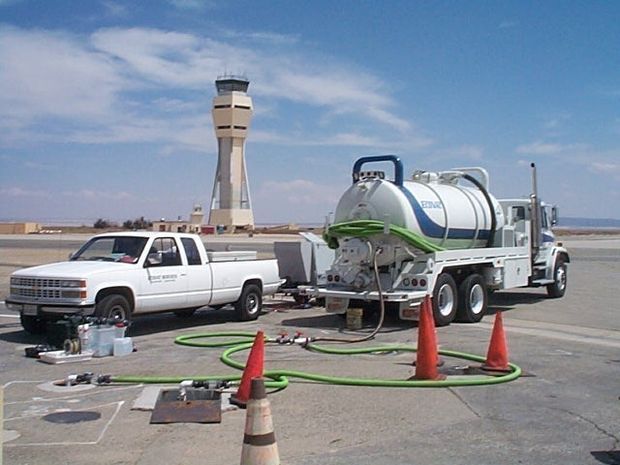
120 275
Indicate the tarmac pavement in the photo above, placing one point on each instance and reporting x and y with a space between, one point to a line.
564 410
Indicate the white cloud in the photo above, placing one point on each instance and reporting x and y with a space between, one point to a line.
52 74
91 195
545 148
22 192
96 85
300 192
192 4
606 168
115 9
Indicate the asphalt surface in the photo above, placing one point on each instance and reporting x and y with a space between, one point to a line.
564 410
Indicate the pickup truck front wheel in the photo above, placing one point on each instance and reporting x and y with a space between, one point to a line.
32 324
250 303
114 307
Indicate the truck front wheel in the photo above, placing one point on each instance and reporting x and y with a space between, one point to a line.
250 303
32 324
444 300
558 287
472 299
113 307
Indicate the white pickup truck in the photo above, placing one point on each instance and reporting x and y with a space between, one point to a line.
119 275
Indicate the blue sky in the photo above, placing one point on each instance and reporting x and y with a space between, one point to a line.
105 105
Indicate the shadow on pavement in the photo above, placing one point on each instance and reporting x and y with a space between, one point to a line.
505 301
611 457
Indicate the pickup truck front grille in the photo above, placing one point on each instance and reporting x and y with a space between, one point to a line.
37 293
35 282
46 289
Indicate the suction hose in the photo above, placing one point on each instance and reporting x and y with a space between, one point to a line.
366 228
280 378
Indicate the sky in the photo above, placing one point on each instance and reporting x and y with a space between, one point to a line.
105 106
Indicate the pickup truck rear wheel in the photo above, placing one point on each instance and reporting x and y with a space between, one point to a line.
250 303
113 307
32 324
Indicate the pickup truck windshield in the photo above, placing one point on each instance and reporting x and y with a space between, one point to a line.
121 249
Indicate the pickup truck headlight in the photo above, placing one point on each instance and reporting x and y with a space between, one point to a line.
73 283
74 294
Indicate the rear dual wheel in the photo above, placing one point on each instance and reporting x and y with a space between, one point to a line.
468 304
473 299
445 300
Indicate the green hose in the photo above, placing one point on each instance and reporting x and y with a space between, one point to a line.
279 378
365 228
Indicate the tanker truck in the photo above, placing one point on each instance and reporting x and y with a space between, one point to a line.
438 234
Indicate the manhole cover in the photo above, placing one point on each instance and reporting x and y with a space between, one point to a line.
71 417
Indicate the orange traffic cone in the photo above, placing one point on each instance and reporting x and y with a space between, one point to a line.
497 355
253 369
426 354
259 440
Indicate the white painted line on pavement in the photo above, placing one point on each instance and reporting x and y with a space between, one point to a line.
590 336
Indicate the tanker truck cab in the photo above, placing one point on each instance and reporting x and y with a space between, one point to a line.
437 234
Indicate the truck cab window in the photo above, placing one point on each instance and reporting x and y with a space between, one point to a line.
191 250
518 214
122 249
164 252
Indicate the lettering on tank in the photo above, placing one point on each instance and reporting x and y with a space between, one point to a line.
429 205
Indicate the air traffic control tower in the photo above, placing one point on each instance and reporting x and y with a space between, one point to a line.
232 112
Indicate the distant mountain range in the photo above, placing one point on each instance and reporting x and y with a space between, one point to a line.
569 222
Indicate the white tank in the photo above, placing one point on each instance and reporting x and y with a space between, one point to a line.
450 214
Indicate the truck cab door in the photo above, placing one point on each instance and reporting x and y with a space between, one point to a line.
164 278
200 280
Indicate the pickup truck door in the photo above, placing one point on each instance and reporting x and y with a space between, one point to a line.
164 280
199 276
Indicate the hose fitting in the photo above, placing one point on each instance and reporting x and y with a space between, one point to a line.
84 378
104 379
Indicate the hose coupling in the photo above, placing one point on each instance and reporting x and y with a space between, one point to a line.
283 338
84 378
212 384
104 379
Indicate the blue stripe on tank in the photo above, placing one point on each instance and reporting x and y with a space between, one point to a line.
431 229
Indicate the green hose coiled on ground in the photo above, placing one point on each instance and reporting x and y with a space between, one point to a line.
365 228
279 378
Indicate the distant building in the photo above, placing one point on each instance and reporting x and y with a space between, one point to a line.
194 225
19 228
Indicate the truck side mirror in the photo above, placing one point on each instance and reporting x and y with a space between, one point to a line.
554 216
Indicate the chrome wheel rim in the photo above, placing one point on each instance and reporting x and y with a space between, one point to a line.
251 303
445 300
476 299
560 278
117 313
